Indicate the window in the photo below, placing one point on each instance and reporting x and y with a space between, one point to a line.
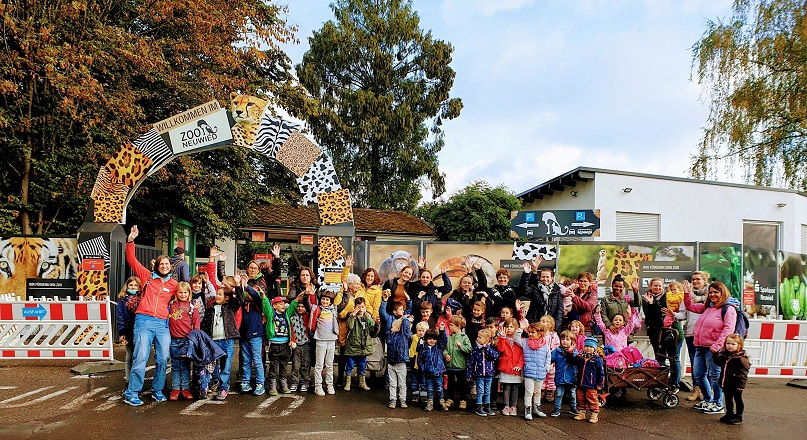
632 226
804 239
763 235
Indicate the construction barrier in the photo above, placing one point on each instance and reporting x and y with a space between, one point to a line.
55 329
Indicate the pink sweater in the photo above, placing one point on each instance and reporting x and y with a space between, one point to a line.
711 329
619 340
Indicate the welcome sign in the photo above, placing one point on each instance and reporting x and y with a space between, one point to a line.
209 131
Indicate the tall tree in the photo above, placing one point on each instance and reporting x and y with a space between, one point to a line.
477 212
80 77
382 88
754 70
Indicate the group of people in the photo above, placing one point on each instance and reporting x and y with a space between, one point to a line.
442 345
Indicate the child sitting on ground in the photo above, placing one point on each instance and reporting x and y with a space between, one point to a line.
590 379
432 367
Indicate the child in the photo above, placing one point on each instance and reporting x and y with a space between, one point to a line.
477 321
504 314
537 357
202 292
481 369
418 385
579 331
251 343
361 329
426 314
733 376
590 379
565 373
451 308
182 318
553 340
432 367
456 354
301 354
326 331
398 334
511 364
125 322
617 334
220 324
280 341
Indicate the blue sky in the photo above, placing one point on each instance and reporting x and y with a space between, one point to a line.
550 85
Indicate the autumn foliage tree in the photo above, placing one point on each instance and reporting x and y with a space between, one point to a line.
81 77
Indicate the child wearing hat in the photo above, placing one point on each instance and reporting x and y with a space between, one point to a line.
590 379
280 341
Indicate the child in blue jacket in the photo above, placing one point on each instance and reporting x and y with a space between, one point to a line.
565 372
481 367
398 334
431 365
590 379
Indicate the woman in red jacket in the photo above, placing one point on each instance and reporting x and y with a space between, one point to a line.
151 323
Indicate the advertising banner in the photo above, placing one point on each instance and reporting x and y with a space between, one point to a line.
723 261
793 286
760 281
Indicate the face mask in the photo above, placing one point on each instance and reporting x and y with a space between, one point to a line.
131 292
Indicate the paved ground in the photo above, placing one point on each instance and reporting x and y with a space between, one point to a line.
44 400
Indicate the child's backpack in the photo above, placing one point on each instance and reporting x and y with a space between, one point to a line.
632 354
617 361
648 363
741 327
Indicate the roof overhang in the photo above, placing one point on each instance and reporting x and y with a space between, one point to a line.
559 183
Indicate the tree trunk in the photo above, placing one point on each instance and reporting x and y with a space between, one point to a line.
25 181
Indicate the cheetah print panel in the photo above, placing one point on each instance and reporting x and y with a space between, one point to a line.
109 207
128 165
330 250
627 264
334 207
298 154
93 284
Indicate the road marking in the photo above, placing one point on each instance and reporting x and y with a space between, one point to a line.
6 387
7 403
192 409
84 398
298 400
87 376
112 400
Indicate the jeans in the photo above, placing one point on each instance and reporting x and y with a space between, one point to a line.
708 375
532 387
397 381
251 350
221 373
417 384
434 386
483 389
360 362
561 391
180 368
127 366
148 330
324 362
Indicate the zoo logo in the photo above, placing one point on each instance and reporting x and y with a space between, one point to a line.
203 133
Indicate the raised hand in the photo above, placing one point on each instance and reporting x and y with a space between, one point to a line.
349 261
687 286
536 261
634 285
421 294
214 252
385 294
422 262
648 297
527 267
133 233
276 250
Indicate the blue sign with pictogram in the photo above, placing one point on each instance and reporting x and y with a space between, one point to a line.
558 223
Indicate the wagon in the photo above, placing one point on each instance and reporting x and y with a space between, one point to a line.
656 380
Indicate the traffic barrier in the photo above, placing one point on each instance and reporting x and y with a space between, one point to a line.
55 329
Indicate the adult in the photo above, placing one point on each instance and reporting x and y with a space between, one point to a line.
426 291
615 303
502 294
367 286
180 269
304 283
471 290
263 276
546 296
584 300
699 295
715 323
151 323
653 301
401 288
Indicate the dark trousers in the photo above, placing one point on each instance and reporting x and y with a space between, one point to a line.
457 385
301 364
278 356
733 397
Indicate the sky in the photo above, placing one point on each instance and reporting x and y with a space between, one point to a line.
551 85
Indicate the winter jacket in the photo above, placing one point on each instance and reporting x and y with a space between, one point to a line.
252 325
316 316
199 348
228 315
371 295
584 305
482 361
360 334
511 355
392 286
691 318
544 300
181 270
267 279
653 316
296 289
399 343
536 360
433 295
502 296
125 320
565 366
269 312
459 355
619 340
430 357
157 291
734 369
712 327
612 306
590 371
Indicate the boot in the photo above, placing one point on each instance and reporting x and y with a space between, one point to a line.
480 410
273 387
581 415
347 382
527 413
489 410
363 382
594 417
736 420
443 405
284 388
550 396
429 405
537 411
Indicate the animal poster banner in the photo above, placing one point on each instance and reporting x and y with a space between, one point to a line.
24 258
604 260
760 281
723 261
448 258
793 286
389 258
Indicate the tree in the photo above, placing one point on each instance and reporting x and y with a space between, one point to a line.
478 212
754 70
79 78
381 87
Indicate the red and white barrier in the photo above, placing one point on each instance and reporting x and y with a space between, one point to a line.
55 329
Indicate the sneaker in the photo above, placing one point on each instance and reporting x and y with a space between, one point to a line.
259 389
701 405
303 388
391 404
134 401
221 395
158 396
555 414
540 414
186 394
319 391
174 395
736 420
331 390
245 388
463 404
293 388
715 409
403 404
574 411
203 393
480 411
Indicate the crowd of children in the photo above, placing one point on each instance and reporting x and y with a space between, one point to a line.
441 345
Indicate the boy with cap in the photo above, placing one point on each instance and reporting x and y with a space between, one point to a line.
590 379
280 339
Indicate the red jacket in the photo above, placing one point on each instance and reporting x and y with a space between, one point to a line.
511 356
584 307
157 292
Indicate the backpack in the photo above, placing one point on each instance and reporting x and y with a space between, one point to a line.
134 300
617 361
632 354
741 326
174 266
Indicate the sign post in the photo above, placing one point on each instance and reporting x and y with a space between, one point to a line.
555 224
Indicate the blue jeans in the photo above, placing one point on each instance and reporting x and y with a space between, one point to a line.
708 374
251 351
180 368
434 386
483 389
148 330
221 373
360 362
560 391
417 383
